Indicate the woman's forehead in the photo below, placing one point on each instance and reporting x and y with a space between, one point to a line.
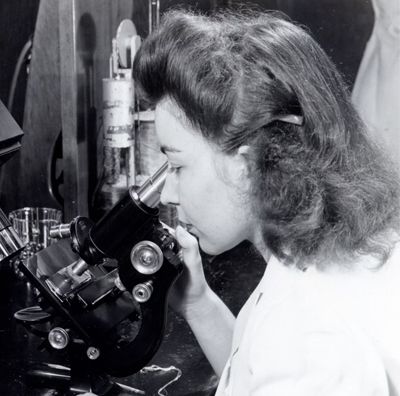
170 106
172 126
176 133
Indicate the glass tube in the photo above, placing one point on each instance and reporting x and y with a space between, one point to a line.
154 14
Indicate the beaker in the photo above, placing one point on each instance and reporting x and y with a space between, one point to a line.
32 224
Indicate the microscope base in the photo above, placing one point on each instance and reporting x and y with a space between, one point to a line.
49 376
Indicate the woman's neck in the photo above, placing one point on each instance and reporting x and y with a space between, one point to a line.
258 242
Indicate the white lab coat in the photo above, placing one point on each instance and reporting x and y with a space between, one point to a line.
319 333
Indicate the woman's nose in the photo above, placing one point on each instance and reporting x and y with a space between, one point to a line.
169 193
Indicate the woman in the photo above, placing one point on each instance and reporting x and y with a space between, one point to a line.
264 145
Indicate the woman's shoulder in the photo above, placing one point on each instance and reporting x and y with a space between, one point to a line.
319 356
301 340
335 320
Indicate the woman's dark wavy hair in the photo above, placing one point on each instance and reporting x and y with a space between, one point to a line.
322 189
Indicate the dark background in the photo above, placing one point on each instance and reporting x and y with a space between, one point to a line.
341 27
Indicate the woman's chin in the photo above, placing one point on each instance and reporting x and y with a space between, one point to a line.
210 248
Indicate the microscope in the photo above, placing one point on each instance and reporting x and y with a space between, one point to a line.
104 289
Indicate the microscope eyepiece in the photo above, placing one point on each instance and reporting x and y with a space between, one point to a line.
149 193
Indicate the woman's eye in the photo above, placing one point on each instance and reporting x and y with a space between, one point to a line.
174 169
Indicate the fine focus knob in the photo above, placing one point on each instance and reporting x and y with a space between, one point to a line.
142 292
146 257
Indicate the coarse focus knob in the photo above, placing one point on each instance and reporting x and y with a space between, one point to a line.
146 257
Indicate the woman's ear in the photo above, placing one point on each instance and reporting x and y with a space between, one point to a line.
241 166
243 153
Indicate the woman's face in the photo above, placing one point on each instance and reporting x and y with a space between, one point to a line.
205 185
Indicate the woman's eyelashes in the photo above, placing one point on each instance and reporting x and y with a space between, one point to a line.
174 168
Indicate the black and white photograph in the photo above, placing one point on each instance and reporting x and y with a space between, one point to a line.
200 198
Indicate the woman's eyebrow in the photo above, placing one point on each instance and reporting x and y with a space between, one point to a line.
164 149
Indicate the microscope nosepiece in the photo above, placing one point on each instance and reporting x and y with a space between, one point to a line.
10 243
